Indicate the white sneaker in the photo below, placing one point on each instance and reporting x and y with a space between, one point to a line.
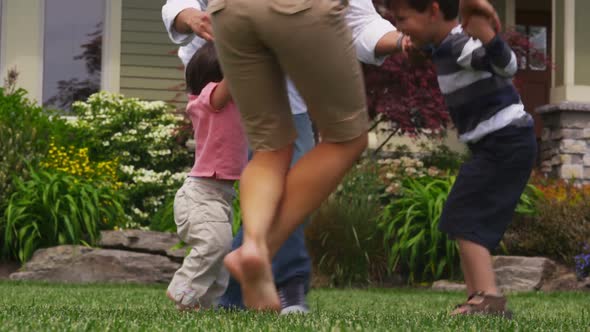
295 309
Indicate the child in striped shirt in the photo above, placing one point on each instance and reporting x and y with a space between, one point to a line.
475 69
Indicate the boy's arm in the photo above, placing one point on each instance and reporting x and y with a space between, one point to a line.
487 51
220 96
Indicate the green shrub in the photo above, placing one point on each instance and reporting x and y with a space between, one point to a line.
237 211
163 220
410 225
148 140
442 157
558 231
25 131
54 207
343 238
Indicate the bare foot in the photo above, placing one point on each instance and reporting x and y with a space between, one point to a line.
251 267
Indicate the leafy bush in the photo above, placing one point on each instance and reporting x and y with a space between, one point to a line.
560 226
442 157
163 220
54 207
410 226
25 130
237 211
394 171
583 263
343 238
147 140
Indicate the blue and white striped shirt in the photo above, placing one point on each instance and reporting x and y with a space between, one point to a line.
476 82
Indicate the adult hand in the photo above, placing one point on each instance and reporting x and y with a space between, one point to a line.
194 20
468 8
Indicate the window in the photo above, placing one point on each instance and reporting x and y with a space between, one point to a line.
1 5
72 55
536 55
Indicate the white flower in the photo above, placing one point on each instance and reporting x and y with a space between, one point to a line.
140 213
433 171
127 169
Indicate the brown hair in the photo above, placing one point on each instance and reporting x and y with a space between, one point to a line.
202 69
449 8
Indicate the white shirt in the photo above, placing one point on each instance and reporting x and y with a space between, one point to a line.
366 24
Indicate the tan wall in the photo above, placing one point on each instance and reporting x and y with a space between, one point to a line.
582 57
500 6
22 44
559 56
148 69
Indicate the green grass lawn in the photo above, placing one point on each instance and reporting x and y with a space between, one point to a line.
43 307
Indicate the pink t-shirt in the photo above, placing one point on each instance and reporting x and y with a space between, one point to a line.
221 150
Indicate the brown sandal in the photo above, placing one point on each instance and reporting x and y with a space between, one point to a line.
493 305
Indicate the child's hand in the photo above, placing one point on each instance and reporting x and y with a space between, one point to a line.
414 53
407 45
480 27
471 8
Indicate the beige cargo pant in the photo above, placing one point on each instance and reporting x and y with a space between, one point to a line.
203 216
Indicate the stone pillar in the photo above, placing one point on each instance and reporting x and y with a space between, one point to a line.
565 143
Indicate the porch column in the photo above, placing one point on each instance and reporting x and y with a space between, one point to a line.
21 44
571 52
565 146
111 47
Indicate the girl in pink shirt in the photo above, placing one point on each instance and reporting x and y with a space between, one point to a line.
203 205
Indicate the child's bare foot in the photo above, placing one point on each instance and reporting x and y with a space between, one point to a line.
250 265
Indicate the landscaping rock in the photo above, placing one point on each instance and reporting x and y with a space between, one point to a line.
445 285
82 264
563 282
516 273
158 243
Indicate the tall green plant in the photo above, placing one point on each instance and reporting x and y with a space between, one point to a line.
54 208
343 238
410 226
25 131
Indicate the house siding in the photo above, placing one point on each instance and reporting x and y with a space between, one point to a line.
150 69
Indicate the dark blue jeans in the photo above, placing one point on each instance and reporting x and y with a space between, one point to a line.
292 260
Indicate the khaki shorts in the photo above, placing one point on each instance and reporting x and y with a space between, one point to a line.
259 42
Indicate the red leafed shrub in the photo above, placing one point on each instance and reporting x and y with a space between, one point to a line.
406 94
